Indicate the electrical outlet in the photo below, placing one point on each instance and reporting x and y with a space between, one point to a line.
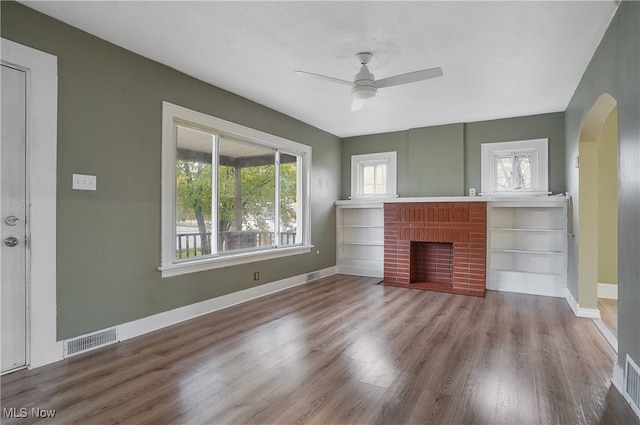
256 275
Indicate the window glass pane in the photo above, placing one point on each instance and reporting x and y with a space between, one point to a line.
381 179
289 200
246 211
193 192
368 180
522 172
503 170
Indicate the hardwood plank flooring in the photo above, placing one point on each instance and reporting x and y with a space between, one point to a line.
609 313
342 350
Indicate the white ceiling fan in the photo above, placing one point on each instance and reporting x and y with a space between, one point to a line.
365 86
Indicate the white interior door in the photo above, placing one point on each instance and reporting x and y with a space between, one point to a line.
13 215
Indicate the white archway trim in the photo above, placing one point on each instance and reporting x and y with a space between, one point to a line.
42 121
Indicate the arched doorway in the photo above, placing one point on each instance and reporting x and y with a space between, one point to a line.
598 210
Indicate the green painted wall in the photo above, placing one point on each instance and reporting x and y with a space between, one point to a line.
435 163
549 126
430 160
109 125
614 69
386 142
445 160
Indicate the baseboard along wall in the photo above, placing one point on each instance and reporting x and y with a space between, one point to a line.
167 318
608 291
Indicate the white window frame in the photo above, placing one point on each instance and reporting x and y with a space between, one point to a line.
173 115
358 162
539 172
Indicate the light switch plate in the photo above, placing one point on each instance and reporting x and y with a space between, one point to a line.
84 182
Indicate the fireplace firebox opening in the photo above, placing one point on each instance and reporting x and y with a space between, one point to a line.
432 263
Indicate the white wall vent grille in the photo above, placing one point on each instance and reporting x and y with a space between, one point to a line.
89 342
632 384
313 276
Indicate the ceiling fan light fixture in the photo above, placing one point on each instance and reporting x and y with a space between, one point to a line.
364 91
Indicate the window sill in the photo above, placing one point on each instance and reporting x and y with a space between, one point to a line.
373 198
518 193
177 269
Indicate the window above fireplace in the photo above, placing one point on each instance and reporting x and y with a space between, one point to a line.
519 167
374 175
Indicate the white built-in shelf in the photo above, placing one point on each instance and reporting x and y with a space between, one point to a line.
360 238
527 246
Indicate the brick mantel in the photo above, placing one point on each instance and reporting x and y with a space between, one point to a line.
461 224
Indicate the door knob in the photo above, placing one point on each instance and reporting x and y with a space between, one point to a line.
11 241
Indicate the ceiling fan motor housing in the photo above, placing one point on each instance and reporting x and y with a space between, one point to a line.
364 86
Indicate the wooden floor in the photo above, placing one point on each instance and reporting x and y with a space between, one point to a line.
343 350
609 313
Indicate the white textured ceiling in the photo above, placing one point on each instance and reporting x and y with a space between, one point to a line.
500 59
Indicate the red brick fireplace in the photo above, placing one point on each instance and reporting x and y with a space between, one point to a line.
440 246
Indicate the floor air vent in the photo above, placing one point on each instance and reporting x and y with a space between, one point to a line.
89 342
632 384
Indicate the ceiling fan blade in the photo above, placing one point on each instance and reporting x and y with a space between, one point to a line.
325 78
357 104
409 77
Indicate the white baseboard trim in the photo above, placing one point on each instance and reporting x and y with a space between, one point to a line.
54 353
618 381
167 318
608 291
592 313
618 377
526 288
359 271
607 334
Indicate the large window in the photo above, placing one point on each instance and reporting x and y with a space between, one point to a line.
515 167
231 194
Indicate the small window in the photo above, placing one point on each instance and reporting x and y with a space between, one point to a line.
374 179
373 175
515 167
231 194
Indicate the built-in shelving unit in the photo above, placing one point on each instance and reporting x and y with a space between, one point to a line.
526 241
527 245
360 238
